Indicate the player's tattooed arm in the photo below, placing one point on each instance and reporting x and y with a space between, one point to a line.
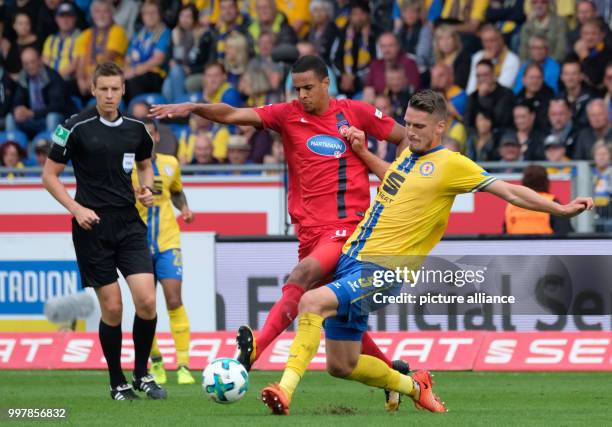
179 200
219 113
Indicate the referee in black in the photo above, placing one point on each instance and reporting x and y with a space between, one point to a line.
107 231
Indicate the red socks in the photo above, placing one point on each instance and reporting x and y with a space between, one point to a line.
282 314
369 347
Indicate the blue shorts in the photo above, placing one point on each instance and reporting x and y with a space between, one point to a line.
353 287
168 264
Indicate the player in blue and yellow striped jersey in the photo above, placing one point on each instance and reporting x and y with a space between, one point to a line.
406 220
164 242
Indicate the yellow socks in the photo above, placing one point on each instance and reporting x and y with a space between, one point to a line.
155 353
179 326
303 350
376 373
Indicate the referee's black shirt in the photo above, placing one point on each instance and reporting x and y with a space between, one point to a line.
103 155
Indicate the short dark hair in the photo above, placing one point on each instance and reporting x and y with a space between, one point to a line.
528 104
310 63
429 101
572 58
536 178
486 62
533 66
214 64
360 4
107 69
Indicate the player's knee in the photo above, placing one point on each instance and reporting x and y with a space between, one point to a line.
146 307
310 303
339 369
173 302
112 312
303 275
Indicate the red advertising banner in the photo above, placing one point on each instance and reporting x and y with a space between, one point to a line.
474 350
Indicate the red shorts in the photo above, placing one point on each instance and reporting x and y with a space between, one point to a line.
324 243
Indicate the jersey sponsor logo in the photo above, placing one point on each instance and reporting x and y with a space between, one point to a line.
303 120
60 136
427 168
128 162
378 113
326 145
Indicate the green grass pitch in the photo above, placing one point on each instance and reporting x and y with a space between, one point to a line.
473 398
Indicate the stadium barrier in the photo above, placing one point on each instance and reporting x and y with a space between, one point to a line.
468 350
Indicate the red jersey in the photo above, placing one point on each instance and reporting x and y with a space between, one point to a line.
328 182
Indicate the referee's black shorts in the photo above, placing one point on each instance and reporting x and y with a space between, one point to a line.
118 241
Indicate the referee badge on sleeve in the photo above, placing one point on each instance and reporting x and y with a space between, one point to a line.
128 162
60 136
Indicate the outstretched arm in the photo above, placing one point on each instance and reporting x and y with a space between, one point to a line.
219 113
526 198
179 200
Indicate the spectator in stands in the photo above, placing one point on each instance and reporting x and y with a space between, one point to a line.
522 221
41 151
342 14
259 140
585 11
509 151
480 145
203 150
216 87
538 54
236 56
608 85
489 97
218 134
447 48
508 16
593 53
323 30
466 17
398 91
5 44
307 48
59 49
298 15
599 128
126 14
45 23
167 141
22 24
556 151
7 91
575 91
442 81
538 94
263 60
144 63
506 63
543 21
561 125
602 186
270 19
256 87
277 152
29 7
104 41
382 148
415 35
530 138
391 53
185 41
354 50
230 20
238 150
11 156
41 100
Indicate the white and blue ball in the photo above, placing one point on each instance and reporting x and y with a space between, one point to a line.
225 380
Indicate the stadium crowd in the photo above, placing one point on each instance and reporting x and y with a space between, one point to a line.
525 80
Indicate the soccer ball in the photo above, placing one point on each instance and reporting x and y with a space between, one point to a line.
225 380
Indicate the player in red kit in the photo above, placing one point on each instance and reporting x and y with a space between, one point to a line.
329 189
